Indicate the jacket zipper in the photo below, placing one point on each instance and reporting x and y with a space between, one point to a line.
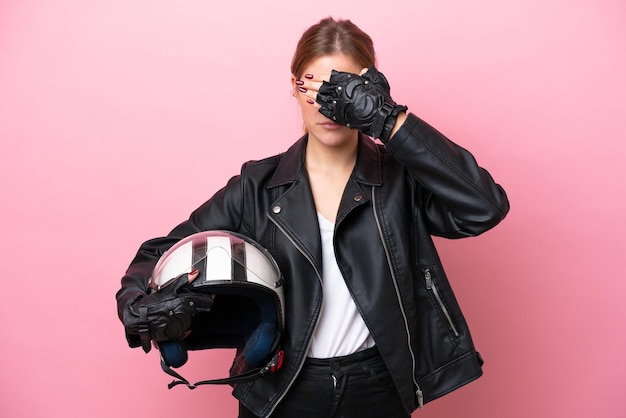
431 286
418 390
319 277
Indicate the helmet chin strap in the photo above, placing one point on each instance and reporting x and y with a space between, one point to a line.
273 365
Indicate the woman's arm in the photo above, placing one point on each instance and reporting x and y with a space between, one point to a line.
222 211
459 197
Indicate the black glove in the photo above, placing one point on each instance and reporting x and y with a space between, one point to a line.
166 314
360 102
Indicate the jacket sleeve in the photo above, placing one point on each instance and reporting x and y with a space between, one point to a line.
458 197
222 211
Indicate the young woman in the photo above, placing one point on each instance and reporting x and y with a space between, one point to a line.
372 326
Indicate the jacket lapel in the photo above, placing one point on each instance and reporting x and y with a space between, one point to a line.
294 211
367 172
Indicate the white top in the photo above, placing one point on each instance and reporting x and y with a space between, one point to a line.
341 330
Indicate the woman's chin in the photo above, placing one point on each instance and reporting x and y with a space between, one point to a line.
331 134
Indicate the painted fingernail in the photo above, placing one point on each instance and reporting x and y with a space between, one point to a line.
309 76
299 82
310 101
301 89
194 271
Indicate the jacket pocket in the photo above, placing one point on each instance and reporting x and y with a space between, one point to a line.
432 288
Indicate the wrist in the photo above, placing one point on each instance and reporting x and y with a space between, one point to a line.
399 122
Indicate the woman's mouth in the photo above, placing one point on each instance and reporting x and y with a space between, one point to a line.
330 125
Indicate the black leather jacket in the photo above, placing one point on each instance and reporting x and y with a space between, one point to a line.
420 184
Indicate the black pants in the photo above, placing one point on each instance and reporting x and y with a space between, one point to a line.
357 385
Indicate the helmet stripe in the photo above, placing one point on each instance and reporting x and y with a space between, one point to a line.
198 255
238 255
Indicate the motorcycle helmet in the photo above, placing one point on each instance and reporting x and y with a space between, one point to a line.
248 303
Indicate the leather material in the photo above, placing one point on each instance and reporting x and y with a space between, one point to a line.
360 102
420 184
165 314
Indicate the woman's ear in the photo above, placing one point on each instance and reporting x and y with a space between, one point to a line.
293 85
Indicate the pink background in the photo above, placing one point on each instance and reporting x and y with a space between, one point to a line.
117 118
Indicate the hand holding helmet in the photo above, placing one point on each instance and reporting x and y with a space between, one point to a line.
238 281
167 313
361 102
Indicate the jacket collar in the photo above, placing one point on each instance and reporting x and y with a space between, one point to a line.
368 169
